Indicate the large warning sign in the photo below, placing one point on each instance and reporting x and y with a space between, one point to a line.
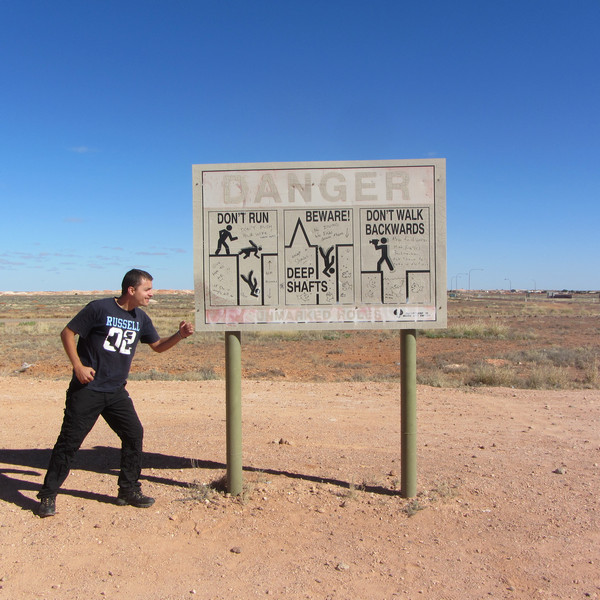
320 245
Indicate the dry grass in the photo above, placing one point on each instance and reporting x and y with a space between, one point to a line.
477 329
504 340
202 374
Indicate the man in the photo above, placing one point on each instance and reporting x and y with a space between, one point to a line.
109 330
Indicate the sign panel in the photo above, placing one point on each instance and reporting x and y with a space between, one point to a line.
320 245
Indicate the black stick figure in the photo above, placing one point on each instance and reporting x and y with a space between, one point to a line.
252 249
252 284
329 261
384 254
224 235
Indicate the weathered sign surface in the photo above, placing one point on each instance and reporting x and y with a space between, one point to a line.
320 245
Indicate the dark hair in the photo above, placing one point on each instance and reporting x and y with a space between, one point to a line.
133 278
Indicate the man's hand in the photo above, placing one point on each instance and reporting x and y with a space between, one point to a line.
84 374
185 329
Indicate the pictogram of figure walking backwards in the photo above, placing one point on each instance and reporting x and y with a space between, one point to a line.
252 249
329 260
384 253
252 283
224 235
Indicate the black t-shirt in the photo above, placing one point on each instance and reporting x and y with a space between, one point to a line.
108 337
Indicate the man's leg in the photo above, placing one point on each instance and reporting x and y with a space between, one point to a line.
81 412
122 418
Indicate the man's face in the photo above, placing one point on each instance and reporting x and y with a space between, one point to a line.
142 294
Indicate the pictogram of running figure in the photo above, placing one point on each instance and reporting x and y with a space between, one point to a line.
252 283
224 235
329 261
252 249
383 247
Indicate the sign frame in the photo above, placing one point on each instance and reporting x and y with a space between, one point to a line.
337 214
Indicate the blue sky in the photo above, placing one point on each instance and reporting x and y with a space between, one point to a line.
106 105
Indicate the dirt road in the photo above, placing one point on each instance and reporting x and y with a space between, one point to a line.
507 507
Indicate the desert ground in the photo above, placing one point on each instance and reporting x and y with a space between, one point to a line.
508 462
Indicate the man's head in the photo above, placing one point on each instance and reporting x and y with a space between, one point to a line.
133 279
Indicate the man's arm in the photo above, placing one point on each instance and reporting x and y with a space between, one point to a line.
185 330
84 374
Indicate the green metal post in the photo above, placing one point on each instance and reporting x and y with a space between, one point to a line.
408 412
233 412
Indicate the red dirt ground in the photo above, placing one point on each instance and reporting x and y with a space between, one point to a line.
507 504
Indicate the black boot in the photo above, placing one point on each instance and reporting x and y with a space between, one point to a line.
47 507
134 498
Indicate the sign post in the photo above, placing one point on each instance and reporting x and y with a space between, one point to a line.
326 245
233 411
408 412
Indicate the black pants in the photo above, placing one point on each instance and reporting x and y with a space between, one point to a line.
83 407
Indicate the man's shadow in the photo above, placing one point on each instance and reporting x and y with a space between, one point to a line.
106 460
100 459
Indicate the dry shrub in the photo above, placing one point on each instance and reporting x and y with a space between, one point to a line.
580 358
591 373
546 377
436 378
491 375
